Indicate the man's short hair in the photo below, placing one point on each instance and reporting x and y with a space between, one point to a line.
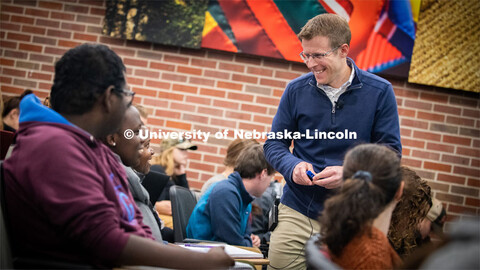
251 162
328 25
234 149
82 75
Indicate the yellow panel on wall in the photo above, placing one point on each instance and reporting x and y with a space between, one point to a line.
447 45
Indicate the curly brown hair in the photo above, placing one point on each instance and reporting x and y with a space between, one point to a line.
409 212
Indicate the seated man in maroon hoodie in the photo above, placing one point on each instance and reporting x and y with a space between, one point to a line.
67 196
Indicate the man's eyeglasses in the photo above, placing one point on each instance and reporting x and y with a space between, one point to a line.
316 56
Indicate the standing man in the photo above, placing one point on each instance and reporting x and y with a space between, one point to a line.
336 98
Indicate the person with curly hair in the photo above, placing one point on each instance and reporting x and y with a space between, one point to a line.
355 221
409 212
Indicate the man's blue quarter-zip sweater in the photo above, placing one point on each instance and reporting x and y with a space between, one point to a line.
369 109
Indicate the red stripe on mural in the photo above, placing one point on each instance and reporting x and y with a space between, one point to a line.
378 51
337 6
347 5
250 36
362 22
216 39
386 27
277 28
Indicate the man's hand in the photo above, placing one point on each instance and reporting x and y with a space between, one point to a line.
299 174
330 177
255 240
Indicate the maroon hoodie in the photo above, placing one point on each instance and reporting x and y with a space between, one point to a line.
67 196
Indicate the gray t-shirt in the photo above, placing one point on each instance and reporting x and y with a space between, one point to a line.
213 179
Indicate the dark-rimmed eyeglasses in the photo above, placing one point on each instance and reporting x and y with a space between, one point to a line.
127 93
316 56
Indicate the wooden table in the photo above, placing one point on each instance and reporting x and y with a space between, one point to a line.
256 262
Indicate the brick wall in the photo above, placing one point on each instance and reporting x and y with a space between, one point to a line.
206 90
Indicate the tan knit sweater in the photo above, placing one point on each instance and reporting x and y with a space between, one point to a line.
368 251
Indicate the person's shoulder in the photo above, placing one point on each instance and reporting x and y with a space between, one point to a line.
224 186
58 152
214 179
376 244
157 168
53 137
367 251
300 82
224 190
48 131
373 81
157 175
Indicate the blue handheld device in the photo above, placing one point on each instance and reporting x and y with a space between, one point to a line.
310 175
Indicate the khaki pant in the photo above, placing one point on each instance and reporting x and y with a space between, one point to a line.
287 241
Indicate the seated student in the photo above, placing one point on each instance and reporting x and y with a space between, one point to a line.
9 121
222 213
432 224
258 212
458 248
233 150
129 152
11 111
157 180
66 194
355 222
6 137
409 212
172 162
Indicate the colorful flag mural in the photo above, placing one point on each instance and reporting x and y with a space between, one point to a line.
383 31
267 27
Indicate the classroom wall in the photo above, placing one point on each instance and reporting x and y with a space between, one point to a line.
185 89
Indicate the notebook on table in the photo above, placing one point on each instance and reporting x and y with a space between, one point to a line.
234 252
